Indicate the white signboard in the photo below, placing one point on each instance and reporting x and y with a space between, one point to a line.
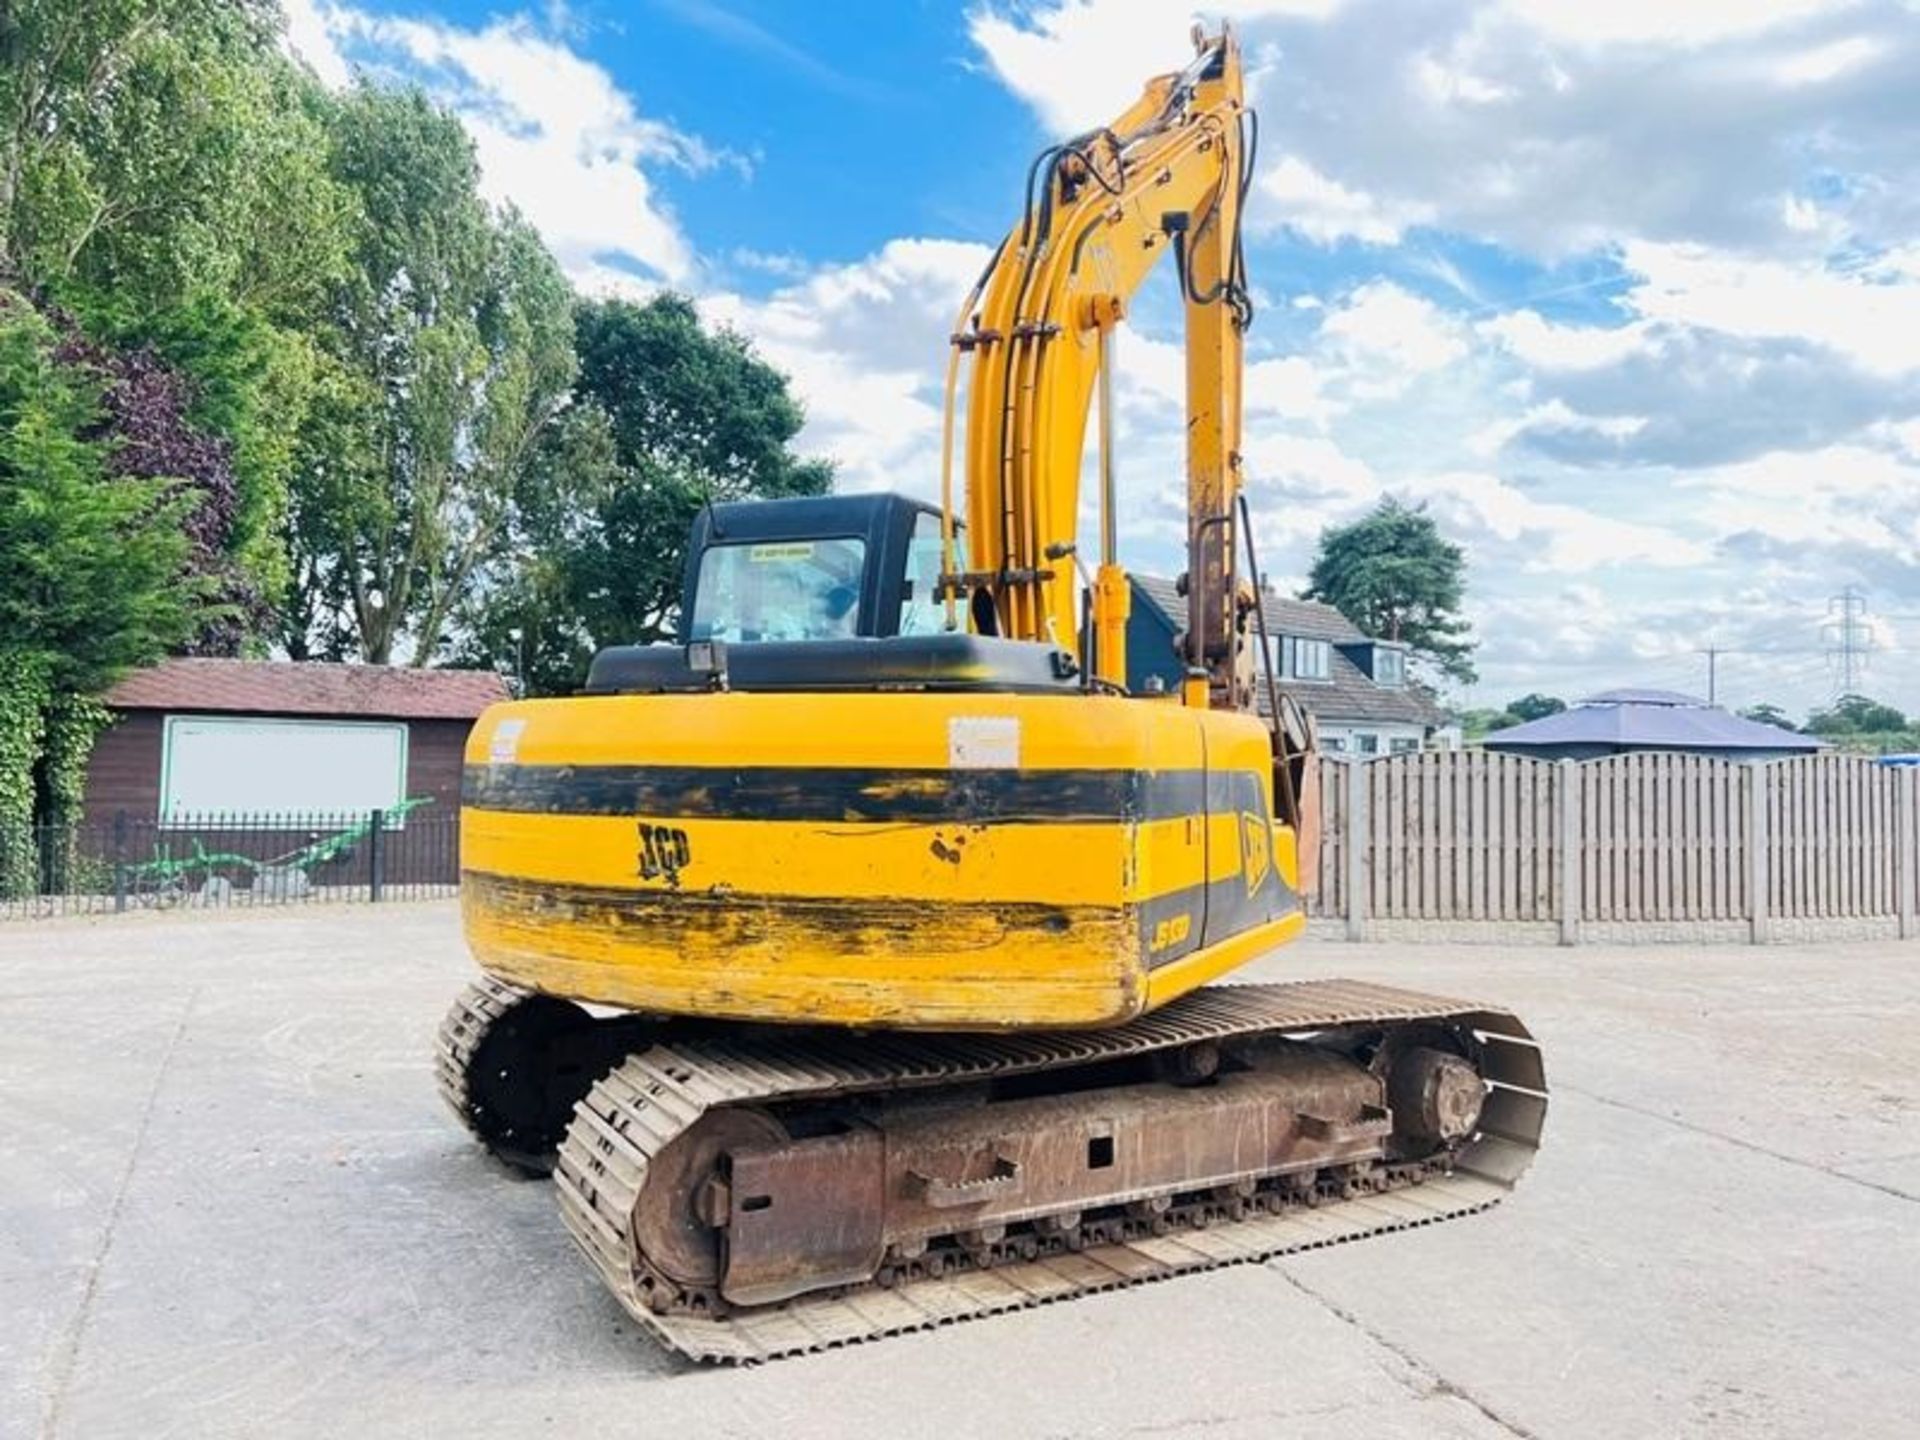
279 769
983 742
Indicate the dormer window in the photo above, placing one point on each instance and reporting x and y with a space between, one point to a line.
1389 667
1306 659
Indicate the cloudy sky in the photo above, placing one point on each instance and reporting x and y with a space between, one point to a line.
1627 293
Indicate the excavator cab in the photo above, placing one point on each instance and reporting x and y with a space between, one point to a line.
820 594
826 567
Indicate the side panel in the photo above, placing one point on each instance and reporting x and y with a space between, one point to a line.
1251 905
1249 887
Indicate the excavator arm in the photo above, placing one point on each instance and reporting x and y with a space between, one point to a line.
1035 338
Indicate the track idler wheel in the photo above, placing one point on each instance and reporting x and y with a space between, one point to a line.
525 1071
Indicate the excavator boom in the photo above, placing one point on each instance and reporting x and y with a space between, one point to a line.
1035 337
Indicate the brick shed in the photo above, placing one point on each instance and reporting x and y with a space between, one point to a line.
269 737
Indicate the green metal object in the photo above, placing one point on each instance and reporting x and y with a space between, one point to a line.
166 869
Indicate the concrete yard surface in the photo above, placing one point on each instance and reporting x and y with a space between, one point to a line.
232 1205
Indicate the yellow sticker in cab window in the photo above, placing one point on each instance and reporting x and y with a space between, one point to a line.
772 554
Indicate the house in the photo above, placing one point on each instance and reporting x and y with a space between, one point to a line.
278 740
1621 722
1355 687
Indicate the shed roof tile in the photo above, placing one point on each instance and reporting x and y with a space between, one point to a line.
286 687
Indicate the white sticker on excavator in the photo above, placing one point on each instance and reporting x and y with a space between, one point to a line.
504 744
983 742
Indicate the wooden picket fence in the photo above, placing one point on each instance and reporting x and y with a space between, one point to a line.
1661 839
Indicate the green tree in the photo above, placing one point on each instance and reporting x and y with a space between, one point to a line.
1396 577
187 159
1855 715
527 618
1477 724
450 354
695 414
92 566
164 176
1765 714
1534 707
93 574
666 414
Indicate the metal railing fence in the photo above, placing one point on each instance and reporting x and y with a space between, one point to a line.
143 863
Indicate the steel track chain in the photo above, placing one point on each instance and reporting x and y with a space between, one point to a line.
475 1011
653 1096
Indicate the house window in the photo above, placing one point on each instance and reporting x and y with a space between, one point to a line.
1311 659
1403 745
1389 667
1368 744
1333 744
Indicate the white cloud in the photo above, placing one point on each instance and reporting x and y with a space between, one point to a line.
1744 435
866 346
1841 496
1151 370
1116 46
1297 485
1307 468
785 265
1871 315
554 133
1556 538
1554 417
1805 217
1290 387
310 35
1451 83
1386 337
1294 195
1662 22
1741 432
1903 437
1112 59
1546 345
1826 62
1554 125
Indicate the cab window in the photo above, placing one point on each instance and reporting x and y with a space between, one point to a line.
920 612
779 590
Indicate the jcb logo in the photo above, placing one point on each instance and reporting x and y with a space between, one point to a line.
664 852
1257 856
1170 932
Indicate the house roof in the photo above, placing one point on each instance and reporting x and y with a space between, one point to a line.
1631 696
1666 721
1347 696
1352 696
286 687
1308 619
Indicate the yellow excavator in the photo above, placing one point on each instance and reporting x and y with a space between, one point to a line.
848 962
